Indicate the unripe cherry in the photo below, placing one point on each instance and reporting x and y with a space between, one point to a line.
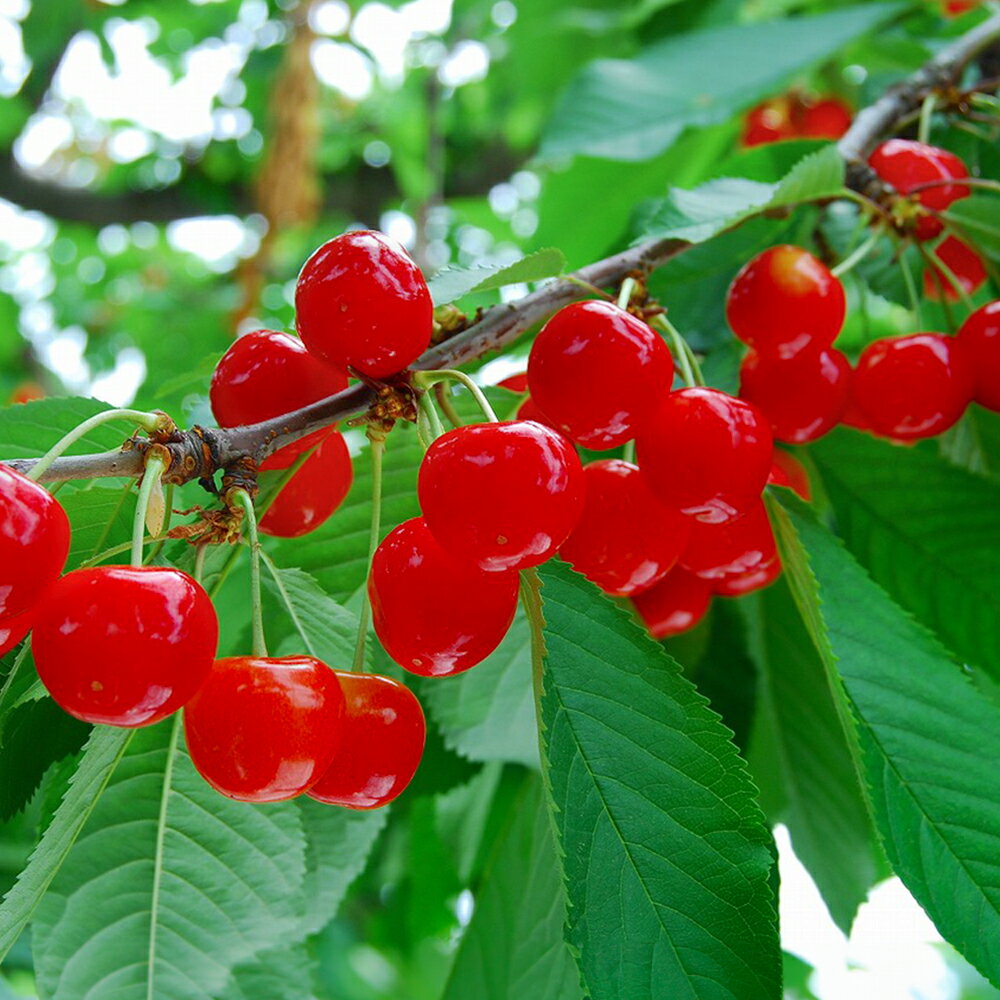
715 551
597 373
676 604
963 262
979 339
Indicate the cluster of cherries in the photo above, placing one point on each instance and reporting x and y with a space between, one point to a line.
795 116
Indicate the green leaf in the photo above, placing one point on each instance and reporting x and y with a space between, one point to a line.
720 204
926 531
100 516
633 109
666 854
281 974
453 283
29 430
977 218
928 740
513 948
170 886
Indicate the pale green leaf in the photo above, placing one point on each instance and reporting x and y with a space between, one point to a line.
452 283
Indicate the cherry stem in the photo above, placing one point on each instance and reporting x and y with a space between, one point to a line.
155 467
950 275
427 379
593 289
199 562
690 369
986 183
444 401
429 411
628 451
911 289
625 292
259 643
926 111
147 421
377 439
858 255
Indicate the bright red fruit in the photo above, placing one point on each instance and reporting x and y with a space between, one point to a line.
677 603
907 164
913 387
264 729
34 541
827 118
768 122
597 373
963 262
788 471
436 614
313 493
516 383
14 628
124 646
979 338
706 454
738 584
803 397
784 300
626 540
502 496
953 8
715 551
384 734
361 303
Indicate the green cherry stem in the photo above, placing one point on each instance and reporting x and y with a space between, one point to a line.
911 289
926 111
155 467
859 254
952 278
690 369
592 289
625 293
426 379
148 422
199 562
377 439
447 408
242 498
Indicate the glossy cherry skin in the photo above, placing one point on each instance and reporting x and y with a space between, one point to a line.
436 614
738 584
906 164
963 262
34 541
788 471
676 604
626 541
597 373
384 735
14 628
124 646
529 410
979 339
770 121
314 492
516 383
502 496
803 397
361 303
263 729
827 118
715 551
913 387
706 454
784 300
265 374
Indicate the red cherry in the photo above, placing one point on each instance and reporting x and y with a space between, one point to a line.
907 164
963 262
14 628
803 397
979 338
529 410
436 614
715 551
626 540
788 471
124 646
314 492
706 453
34 541
827 118
913 387
768 122
503 496
597 373
953 8
265 374
264 729
786 299
361 303
738 584
384 734
516 383
677 603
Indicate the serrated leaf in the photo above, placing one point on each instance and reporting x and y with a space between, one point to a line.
513 948
666 855
452 283
170 886
928 740
926 531
284 973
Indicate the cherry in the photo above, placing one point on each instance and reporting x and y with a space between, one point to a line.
677 603
124 646
979 338
626 540
907 164
263 729
803 397
314 492
34 541
436 614
953 8
767 122
963 262
597 373
706 453
784 300
516 383
384 734
502 496
14 628
738 584
827 118
361 303
715 551
788 471
528 410
913 387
